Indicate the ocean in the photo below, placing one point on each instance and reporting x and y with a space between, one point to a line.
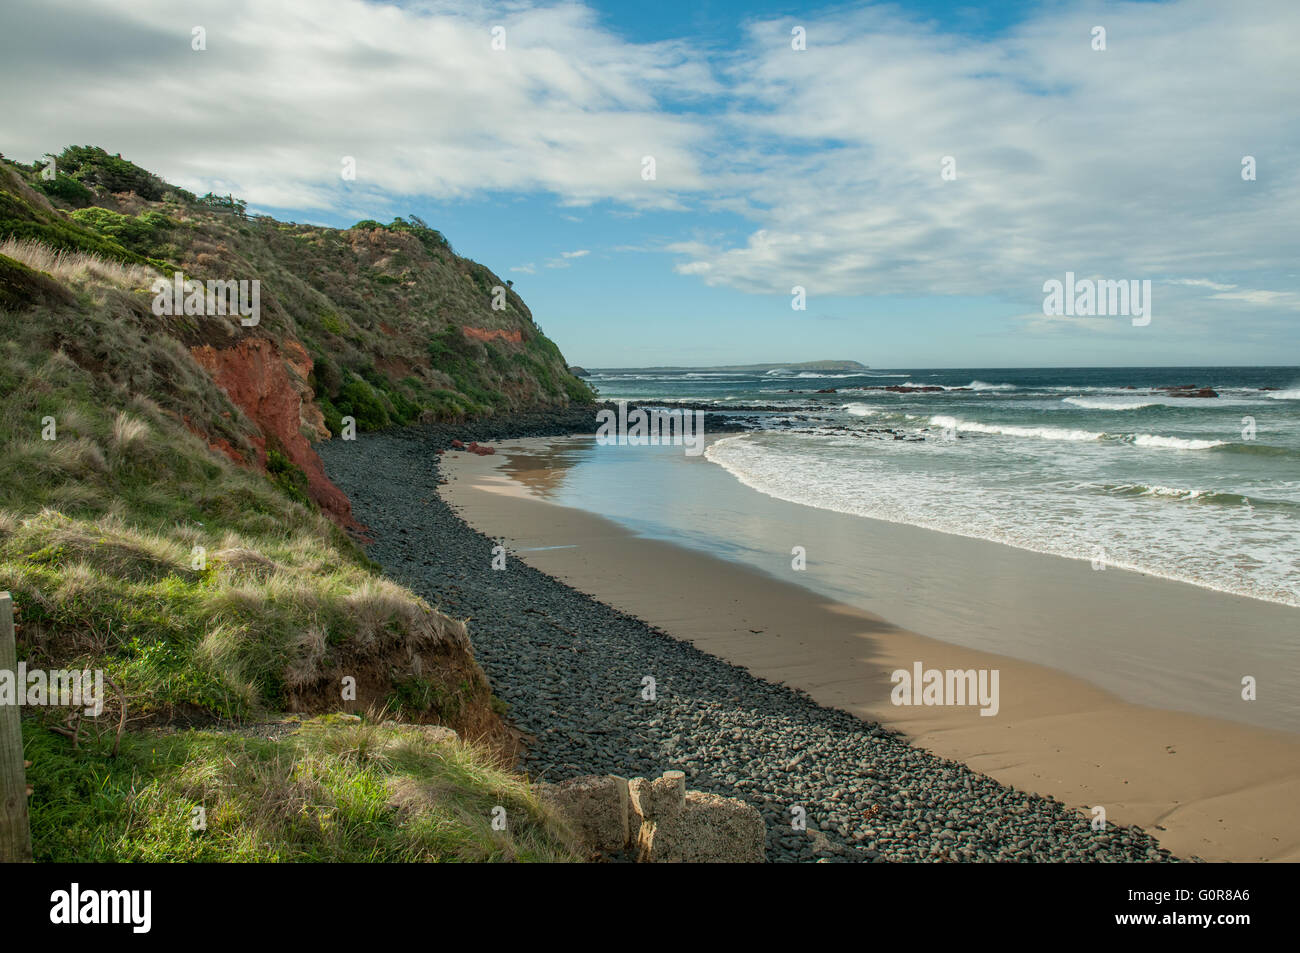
1098 464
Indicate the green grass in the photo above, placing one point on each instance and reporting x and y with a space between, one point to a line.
101 529
215 595
371 297
333 792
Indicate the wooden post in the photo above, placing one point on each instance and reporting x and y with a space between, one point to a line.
15 833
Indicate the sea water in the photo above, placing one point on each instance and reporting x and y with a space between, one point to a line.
1098 464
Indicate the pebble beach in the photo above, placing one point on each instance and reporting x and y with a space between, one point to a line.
572 671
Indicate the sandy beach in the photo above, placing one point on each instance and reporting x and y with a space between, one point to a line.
1206 786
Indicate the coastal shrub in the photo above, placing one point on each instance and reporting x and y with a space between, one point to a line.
176 195
497 358
461 359
94 166
326 376
405 411
225 203
358 399
333 416
140 233
448 348
400 408
432 239
66 189
288 477
578 390
448 405
482 278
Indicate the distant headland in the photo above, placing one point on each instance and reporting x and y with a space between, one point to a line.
839 367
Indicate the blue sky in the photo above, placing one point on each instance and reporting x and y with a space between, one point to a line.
775 167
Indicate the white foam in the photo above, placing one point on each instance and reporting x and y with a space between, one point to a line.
818 376
861 410
1173 492
1101 403
1232 549
1145 440
1008 430
1174 443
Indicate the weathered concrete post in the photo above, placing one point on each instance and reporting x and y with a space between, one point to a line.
15 833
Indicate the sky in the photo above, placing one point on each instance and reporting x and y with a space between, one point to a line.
919 170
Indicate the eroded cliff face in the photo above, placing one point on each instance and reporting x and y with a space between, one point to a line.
363 323
382 325
268 382
493 334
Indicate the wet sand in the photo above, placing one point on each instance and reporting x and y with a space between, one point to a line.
1208 787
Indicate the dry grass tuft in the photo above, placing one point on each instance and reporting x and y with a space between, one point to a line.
128 432
76 266
309 650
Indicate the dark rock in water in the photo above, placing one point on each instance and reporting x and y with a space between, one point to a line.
482 451
577 371
1190 392
1268 388
456 444
722 418
826 390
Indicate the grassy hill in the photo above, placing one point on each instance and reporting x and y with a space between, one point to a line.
164 518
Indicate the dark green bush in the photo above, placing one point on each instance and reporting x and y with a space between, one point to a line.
579 391
66 189
358 399
93 166
225 203
287 476
333 418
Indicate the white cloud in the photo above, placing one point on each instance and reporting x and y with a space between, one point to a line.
1200 283
1257 297
286 89
1124 162
575 254
1227 292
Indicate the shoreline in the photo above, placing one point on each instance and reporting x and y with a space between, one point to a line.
571 670
1213 788
1118 629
